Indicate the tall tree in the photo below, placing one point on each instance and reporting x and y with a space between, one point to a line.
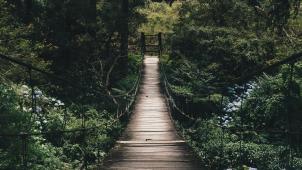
124 32
24 9
92 17
28 10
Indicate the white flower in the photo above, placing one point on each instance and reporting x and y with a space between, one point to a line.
25 93
37 122
38 109
24 87
59 103
250 168
24 90
38 93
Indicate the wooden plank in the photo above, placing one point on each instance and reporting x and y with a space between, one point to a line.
150 140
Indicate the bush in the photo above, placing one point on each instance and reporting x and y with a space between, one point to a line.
40 153
56 150
218 148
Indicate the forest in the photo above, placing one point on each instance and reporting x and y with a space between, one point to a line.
70 72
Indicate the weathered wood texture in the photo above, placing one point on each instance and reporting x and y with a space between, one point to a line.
150 140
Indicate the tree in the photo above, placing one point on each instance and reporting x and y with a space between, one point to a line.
124 31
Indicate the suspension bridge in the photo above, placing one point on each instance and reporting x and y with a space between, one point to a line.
150 140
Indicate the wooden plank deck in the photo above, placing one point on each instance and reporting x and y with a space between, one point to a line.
150 140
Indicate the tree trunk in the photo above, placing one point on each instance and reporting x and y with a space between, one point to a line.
92 10
92 17
18 5
124 36
28 11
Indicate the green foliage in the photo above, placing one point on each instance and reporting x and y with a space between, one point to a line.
230 39
11 116
267 104
253 136
213 43
227 52
71 150
134 62
219 148
79 41
182 91
186 77
160 17
14 121
217 42
273 101
16 39
54 150
11 121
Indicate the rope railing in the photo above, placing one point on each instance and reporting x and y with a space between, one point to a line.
52 132
25 135
70 83
241 130
167 89
241 80
132 93
134 87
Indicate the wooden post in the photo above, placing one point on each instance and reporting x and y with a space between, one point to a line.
222 129
33 95
24 137
241 144
159 44
289 114
143 45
